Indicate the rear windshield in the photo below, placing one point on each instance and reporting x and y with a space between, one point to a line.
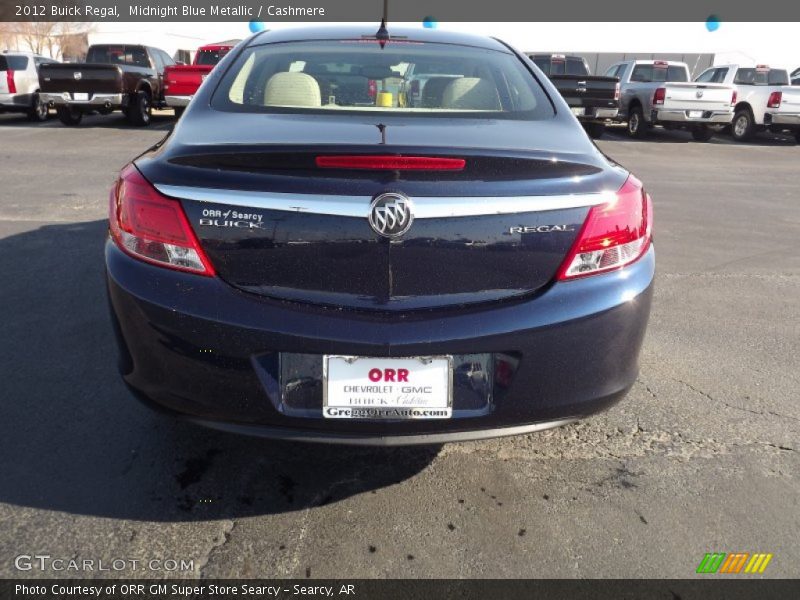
403 77
761 77
13 63
555 66
125 55
648 73
210 57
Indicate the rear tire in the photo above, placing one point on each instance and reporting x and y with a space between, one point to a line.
595 130
69 115
701 133
743 127
38 111
179 111
637 127
139 111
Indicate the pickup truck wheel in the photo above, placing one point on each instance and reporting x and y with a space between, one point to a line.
743 128
595 130
139 110
637 126
69 115
38 110
701 133
179 111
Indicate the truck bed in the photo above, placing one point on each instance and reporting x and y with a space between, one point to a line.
184 80
587 91
81 78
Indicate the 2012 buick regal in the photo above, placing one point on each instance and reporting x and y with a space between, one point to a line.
354 239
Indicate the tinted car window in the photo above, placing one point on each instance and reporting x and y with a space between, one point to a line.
356 75
13 63
210 57
648 73
128 55
761 77
576 66
561 66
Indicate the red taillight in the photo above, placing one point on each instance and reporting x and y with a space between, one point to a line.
152 227
616 92
391 163
659 95
614 234
12 86
734 97
775 99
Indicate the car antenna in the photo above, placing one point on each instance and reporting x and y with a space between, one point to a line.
382 35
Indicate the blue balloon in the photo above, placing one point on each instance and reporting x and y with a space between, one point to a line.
429 23
712 23
256 26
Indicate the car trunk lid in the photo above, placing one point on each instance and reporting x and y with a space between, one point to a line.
275 223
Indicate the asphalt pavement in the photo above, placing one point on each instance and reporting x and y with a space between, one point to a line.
703 455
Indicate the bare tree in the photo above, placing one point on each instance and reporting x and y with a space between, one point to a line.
56 39
35 34
8 39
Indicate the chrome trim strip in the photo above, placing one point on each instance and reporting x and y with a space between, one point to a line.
433 207
378 440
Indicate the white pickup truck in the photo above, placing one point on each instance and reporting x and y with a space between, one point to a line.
658 92
765 100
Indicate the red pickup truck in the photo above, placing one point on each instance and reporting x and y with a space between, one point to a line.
182 81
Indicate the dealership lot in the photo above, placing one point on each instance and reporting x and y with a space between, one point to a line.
701 456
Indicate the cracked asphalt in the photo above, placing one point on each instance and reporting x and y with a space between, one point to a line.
703 455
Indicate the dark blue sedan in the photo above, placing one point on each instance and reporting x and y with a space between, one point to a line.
354 239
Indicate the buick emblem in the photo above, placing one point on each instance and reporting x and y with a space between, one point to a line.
699 93
391 214
77 75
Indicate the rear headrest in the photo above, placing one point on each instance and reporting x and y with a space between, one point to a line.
433 91
471 93
292 89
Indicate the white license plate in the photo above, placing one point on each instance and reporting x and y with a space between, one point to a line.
81 96
578 111
387 388
695 114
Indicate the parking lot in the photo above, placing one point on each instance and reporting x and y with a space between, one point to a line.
701 456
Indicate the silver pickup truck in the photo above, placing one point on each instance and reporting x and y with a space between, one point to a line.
658 92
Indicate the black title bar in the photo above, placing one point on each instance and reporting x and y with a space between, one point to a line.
711 588
267 11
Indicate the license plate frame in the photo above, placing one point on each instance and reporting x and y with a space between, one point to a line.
578 111
438 406
695 114
80 96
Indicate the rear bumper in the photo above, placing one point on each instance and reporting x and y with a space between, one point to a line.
15 101
179 101
197 347
782 119
94 100
682 116
595 114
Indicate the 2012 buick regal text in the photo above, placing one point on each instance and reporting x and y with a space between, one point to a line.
378 238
